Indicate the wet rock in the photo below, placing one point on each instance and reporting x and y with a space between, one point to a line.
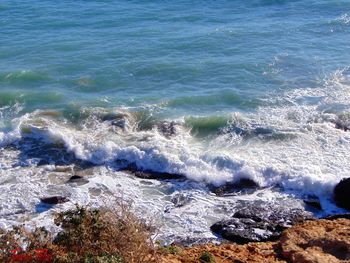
116 119
144 182
317 241
119 123
113 116
342 193
78 179
313 202
168 129
342 125
334 217
180 200
256 223
63 169
149 174
245 185
320 241
263 133
54 200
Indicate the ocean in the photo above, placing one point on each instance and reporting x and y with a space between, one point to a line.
212 91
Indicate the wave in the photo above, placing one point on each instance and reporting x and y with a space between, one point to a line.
114 139
301 147
24 77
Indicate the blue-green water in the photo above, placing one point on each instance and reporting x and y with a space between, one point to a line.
193 57
214 91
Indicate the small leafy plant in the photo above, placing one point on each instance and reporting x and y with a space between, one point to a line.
172 249
87 235
207 257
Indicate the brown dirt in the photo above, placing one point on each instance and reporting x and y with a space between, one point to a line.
317 241
310 242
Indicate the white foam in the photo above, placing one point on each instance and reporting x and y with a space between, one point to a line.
309 162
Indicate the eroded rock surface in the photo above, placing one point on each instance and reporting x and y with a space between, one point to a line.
258 223
316 241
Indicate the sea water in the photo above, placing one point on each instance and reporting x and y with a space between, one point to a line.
214 91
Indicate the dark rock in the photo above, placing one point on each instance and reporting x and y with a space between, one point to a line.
78 179
75 177
180 200
113 116
119 123
130 167
245 185
313 202
342 193
256 223
53 200
333 217
342 126
149 174
168 129
116 119
263 133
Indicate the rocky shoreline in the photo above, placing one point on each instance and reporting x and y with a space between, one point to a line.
275 234
253 231
323 240
249 221
259 232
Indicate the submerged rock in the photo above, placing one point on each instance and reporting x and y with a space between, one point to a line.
342 193
260 132
117 119
313 202
149 174
256 223
343 123
168 129
246 185
54 200
111 116
180 200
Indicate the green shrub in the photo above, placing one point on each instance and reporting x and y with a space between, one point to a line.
207 257
172 249
86 236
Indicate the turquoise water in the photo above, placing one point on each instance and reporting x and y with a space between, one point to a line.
214 91
188 57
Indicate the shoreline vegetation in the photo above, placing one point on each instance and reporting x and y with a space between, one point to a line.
118 236
86 235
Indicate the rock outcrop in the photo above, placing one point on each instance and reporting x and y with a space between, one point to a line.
255 223
149 174
317 241
243 185
54 200
342 193
314 241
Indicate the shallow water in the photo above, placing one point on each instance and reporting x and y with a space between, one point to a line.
213 91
